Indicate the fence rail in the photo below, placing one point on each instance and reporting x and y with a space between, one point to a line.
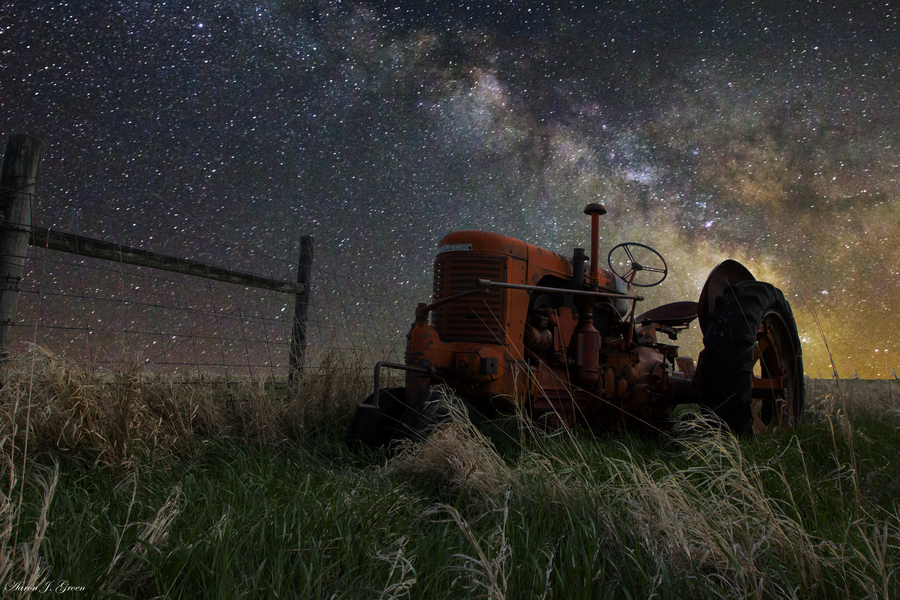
104 250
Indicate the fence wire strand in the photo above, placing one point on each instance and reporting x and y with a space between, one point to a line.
101 314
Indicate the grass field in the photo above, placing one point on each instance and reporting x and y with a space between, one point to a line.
130 485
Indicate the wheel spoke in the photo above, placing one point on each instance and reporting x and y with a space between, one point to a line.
763 345
628 268
766 384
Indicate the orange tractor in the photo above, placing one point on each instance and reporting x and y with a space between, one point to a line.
513 324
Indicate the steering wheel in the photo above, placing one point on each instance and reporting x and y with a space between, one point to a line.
633 260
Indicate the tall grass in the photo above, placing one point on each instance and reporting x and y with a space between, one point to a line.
241 489
709 513
128 412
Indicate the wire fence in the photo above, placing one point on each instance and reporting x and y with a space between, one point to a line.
101 313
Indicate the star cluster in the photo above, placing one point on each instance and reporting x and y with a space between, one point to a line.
766 133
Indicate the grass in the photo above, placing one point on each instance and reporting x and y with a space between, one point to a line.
133 486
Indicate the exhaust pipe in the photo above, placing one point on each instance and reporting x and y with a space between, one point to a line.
595 210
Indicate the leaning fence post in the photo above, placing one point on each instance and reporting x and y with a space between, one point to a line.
18 183
301 311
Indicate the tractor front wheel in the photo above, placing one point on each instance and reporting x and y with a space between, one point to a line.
751 369
373 428
428 412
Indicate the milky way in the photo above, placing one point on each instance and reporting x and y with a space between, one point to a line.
765 134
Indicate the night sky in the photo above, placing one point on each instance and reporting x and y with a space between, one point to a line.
766 133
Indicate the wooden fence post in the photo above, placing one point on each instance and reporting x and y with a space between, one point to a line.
301 311
18 183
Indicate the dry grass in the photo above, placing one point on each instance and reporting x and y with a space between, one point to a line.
459 452
50 407
21 563
485 573
401 578
705 513
854 396
466 460
48 403
713 519
127 567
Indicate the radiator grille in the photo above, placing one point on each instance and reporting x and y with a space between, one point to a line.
476 318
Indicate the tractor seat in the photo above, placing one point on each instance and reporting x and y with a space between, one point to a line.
676 314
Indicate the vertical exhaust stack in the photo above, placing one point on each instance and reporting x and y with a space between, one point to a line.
586 338
595 210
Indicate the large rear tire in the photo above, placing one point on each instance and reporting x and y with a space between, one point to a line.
751 369
373 428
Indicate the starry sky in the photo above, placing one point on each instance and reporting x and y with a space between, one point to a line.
766 132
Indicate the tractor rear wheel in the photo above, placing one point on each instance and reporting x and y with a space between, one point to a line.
373 428
751 369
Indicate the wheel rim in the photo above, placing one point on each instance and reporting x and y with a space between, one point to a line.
774 391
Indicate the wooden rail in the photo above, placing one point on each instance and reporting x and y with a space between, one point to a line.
72 243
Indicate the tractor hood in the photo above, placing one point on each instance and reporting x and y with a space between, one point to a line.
541 262
483 241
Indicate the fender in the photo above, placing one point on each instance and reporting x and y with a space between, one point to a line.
726 273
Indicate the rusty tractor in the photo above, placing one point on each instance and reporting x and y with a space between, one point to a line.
512 325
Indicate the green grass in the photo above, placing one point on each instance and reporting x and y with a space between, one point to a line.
520 514
621 517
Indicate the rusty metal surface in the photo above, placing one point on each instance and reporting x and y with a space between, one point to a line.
459 315
536 288
674 314
595 210
423 309
685 366
391 365
774 396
